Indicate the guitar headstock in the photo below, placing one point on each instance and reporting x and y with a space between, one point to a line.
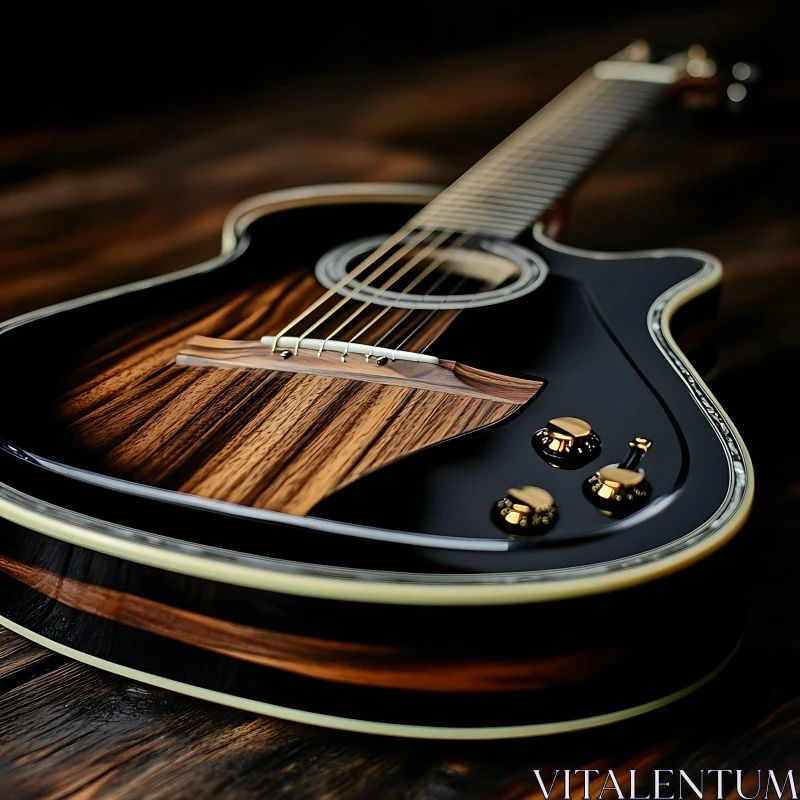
696 74
689 63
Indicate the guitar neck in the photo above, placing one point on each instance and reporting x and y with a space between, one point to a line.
524 176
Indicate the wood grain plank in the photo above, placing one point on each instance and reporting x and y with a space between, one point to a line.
17 655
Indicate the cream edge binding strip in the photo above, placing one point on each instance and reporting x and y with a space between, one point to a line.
724 525
361 725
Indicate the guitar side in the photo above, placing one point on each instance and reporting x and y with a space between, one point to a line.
69 556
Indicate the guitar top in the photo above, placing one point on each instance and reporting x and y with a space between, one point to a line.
332 474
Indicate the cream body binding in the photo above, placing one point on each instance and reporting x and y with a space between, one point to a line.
450 590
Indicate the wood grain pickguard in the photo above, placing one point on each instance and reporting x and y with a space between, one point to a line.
267 439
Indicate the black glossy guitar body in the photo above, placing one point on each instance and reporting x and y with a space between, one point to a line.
402 602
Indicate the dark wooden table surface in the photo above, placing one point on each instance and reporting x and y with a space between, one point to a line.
104 200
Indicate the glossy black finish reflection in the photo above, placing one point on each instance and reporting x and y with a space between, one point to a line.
585 332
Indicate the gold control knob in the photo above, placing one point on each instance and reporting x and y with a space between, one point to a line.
567 442
528 507
618 489
617 484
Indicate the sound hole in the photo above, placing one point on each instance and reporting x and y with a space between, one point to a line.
417 275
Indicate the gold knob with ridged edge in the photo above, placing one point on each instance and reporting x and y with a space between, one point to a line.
567 442
617 484
529 508
619 489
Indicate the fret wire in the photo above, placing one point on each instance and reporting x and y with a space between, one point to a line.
507 209
481 216
596 134
505 150
473 218
498 214
553 152
533 168
622 106
480 222
550 151
542 179
528 203
597 114
615 114
478 215
549 165
505 190
631 101
537 172
589 135
551 162
620 119
515 142
524 191
546 161
586 125
493 214
513 200
518 185
519 209
613 101
556 159
600 114
572 148
498 201
489 216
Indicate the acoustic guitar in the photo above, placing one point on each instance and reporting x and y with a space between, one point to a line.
396 461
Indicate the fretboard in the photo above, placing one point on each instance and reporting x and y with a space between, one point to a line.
518 181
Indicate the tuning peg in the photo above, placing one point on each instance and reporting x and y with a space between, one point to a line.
744 75
745 72
699 65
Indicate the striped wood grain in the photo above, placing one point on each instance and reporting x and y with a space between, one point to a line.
270 440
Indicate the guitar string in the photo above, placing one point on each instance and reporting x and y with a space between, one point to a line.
380 270
618 126
448 198
404 270
563 131
387 245
427 318
620 123
443 276
384 248
376 273
475 177
505 157
392 260
432 266
542 121
508 152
